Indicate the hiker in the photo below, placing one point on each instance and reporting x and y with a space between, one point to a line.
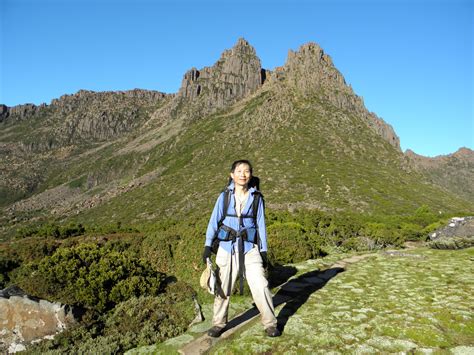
241 235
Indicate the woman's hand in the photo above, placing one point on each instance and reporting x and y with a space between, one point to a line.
206 254
264 256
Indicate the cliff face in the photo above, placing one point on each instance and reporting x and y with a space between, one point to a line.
237 74
84 116
20 112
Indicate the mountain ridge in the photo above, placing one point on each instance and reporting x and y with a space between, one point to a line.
454 172
311 137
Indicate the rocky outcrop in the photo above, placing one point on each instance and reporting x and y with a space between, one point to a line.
310 68
235 75
4 112
24 320
85 116
457 234
238 73
19 112
100 116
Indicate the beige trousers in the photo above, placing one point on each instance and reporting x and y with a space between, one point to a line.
254 274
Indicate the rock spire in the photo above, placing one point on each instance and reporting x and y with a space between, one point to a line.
236 74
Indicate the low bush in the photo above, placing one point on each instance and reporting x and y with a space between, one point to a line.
289 243
383 235
138 321
359 244
52 230
89 276
5 267
148 320
452 243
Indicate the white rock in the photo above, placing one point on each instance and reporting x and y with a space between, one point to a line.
462 350
16 348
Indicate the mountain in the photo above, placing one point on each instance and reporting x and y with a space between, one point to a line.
454 172
142 156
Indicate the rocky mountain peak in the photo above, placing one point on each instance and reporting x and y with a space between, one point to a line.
312 73
310 68
236 74
242 47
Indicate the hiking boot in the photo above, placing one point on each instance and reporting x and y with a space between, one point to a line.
272 332
215 332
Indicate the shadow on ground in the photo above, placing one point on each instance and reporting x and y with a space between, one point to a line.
294 293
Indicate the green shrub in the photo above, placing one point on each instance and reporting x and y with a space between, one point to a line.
424 216
159 250
452 243
383 235
52 230
359 244
6 266
149 320
89 276
411 231
289 243
432 227
139 321
27 250
176 249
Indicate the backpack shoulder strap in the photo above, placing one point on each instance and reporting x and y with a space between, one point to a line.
257 195
225 206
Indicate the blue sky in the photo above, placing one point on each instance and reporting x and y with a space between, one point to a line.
411 61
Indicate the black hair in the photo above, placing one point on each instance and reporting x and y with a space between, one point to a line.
254 181
236 163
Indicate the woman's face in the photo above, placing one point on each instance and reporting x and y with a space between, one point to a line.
241 175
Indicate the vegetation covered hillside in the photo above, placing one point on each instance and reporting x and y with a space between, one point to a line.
454 172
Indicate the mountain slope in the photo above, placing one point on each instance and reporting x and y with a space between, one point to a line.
312 141
454 172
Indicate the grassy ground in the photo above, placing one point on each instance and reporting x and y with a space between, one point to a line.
417 301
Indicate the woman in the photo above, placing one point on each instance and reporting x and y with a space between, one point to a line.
242 247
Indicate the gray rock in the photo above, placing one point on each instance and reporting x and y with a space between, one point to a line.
458 234
12 291
457 227
24 320
234 76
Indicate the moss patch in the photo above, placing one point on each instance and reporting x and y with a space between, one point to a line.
384 304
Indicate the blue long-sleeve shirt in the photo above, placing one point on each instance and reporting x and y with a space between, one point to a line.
233 222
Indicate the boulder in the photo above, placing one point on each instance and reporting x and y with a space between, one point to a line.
457 234
24 320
